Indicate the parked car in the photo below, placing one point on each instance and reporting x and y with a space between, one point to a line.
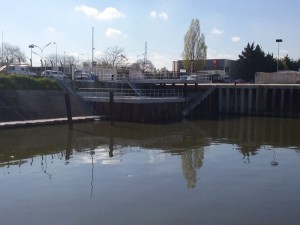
82 75
239 81
183 77
53 74
193 77
22 69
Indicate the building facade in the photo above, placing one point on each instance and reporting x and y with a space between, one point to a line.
225 67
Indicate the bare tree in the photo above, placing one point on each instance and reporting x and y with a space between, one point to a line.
149 67
52 58
138 65
194 53
146 66
71 59
114 57
12 54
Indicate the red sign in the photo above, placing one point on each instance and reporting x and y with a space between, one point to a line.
215 62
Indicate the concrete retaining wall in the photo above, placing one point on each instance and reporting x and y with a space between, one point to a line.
37 104
286 77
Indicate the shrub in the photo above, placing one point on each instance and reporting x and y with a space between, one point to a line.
21 82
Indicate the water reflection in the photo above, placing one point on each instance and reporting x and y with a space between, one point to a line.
92 180
108 144
191 161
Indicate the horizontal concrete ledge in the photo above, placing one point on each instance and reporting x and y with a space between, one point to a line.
31 123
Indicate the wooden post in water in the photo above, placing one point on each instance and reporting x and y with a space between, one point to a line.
111 104
69 112
185 90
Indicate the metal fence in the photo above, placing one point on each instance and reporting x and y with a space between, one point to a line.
126 93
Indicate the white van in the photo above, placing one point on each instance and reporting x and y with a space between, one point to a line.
22 69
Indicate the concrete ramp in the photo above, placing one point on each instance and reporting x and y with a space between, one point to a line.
197 101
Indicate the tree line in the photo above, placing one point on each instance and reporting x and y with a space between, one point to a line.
251 60
113 57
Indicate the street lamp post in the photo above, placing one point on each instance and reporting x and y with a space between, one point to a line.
39 56
31 47
55 53
42 49
278 41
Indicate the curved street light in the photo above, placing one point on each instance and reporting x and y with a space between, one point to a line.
42 49
39 56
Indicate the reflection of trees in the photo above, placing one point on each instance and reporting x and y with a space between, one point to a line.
186 139
191 160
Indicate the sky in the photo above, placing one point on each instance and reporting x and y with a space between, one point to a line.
228 26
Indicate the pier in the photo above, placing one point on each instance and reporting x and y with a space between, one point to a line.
149 101
158 101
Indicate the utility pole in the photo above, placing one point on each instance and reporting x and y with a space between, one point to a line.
31 47
93 45
145 56
278 41
2 58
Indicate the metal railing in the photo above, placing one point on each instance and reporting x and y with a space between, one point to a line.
127 93
69 86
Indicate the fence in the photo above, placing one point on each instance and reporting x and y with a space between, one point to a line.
126 93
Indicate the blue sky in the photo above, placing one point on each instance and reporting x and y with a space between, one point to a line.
228 25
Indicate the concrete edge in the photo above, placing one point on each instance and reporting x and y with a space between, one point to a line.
32 123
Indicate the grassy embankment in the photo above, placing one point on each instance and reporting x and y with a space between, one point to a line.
21 82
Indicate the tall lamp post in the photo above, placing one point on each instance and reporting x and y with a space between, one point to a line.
55 53
278 41
42 49
31 47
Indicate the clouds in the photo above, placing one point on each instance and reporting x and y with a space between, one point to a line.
108 13
159 15
159 60
218 54
111 13
217 32
114 33
50 29
235 39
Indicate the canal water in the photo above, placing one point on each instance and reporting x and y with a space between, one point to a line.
234 171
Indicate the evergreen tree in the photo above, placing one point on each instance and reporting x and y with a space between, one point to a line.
252 60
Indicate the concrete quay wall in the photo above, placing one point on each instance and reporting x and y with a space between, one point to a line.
240 99
229 100
259 100
141 113
23 105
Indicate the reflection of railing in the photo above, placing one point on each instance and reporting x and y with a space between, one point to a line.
153 93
